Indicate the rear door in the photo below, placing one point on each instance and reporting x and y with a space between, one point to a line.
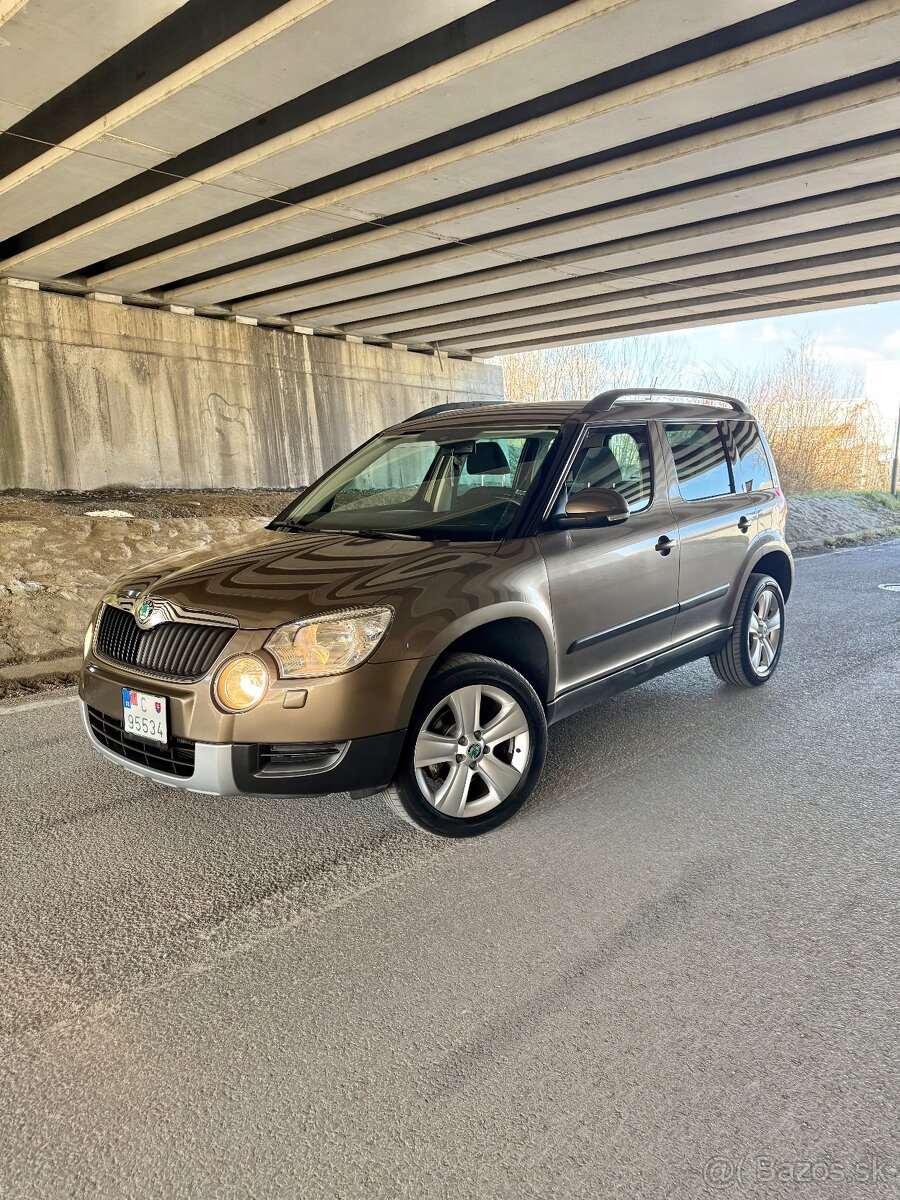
614 594
715 520
755 474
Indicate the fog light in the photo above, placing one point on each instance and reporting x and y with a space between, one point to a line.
241 683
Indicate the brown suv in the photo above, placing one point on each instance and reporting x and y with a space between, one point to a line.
412 622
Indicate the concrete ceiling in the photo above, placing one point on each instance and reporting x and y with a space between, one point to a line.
484 177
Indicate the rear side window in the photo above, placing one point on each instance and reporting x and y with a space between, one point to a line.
700 461
751 454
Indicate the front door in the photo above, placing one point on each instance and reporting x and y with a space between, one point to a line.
716 523
614 588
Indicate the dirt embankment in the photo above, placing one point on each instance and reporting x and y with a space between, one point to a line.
815 522
59 552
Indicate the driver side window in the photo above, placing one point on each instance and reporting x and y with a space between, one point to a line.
618 459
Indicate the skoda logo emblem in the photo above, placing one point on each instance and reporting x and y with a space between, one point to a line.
474 753
145 612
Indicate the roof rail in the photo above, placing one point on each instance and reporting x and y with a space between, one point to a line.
605 401
439 408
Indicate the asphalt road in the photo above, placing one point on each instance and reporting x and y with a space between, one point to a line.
683 951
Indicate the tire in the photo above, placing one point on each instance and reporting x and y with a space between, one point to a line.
749 657
454 782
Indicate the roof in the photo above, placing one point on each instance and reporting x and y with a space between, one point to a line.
531 416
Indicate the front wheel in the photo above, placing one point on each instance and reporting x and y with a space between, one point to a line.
474 751
751 654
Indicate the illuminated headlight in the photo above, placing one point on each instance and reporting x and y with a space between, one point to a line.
328 645
88 639
241 683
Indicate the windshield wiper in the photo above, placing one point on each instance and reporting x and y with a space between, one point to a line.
384 533
305 527
290 526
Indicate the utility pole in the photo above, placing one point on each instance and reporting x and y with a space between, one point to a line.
895 469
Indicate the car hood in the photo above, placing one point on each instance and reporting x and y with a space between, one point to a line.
268 578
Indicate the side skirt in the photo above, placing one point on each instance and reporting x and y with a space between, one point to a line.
587 694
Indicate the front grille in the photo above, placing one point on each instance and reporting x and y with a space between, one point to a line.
290 759
175 649
175 759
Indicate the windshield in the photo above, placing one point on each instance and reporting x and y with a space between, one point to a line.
455 484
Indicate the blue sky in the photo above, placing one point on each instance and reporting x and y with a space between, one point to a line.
864 341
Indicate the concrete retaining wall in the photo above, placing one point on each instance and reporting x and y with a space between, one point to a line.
94 393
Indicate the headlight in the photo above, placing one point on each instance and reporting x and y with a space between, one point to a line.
241 683
328 645
88 639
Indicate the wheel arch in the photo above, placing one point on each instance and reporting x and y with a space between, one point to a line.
770 556
516 641
513 633
778 564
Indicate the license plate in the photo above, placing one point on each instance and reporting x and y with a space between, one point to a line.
144 716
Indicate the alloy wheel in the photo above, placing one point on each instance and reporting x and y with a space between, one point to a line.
472 750
764 631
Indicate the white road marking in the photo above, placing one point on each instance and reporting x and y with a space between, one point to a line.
30 704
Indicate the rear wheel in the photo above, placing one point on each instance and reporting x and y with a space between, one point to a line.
750 656
474 751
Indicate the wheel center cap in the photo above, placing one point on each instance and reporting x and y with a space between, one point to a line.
475 752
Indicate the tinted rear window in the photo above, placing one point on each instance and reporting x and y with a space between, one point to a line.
700 461
751 454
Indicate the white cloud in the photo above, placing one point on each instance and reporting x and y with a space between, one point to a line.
728 332
771 333
883 389
846 356
892 341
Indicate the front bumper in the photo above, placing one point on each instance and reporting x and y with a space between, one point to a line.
375 698
362 766
212 765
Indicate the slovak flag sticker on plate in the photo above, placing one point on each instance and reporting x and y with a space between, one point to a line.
144 716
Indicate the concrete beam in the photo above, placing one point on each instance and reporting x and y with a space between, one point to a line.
568 203
801 57
804 272
52 34
526 172
875 236
741 311
697 298
569 241
234 179
565 271
203 98
9 8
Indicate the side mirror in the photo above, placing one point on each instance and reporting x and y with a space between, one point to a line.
596 506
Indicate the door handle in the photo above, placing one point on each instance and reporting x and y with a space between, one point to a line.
665 545
743 524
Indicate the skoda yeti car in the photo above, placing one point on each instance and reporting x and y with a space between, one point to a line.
415 619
